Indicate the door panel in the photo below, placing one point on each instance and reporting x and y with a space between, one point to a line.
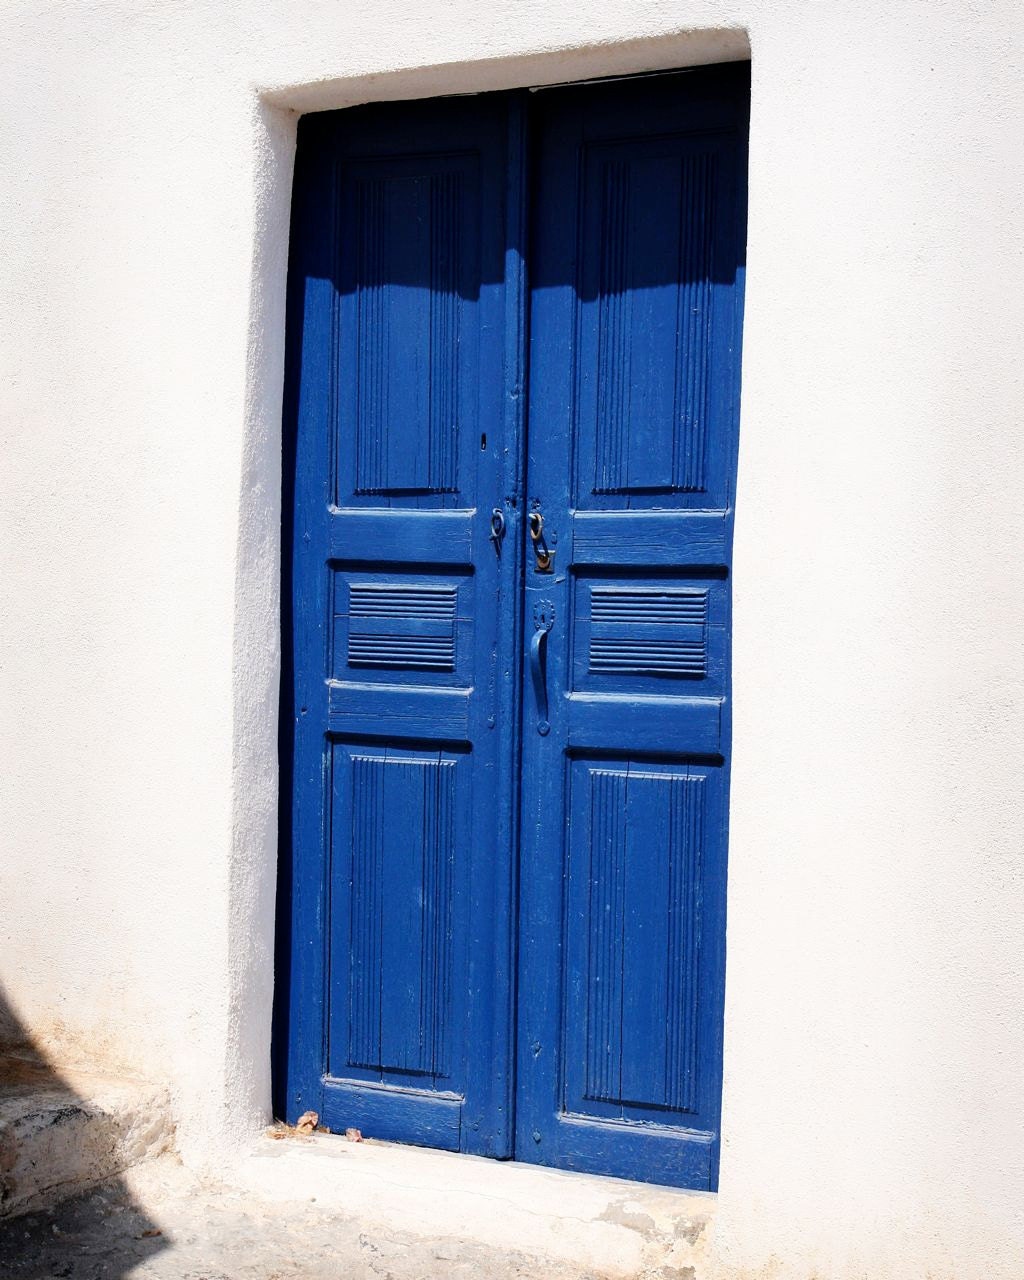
636 279
402 796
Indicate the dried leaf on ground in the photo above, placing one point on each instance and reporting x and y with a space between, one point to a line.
307 1122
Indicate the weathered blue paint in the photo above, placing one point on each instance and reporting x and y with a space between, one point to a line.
404 392
506 708
636 269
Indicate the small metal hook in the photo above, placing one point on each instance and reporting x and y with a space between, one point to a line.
497 527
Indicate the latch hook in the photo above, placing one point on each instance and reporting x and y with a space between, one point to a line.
544 558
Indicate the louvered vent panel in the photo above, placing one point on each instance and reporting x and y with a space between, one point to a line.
640 631
409 628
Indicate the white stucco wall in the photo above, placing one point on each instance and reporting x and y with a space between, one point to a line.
874 1092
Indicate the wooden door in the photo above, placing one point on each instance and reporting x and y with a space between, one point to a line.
636 269
506 704
401 698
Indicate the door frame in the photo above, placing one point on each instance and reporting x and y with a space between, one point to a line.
516 358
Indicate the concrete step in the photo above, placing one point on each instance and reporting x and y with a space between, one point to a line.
429 1221
62 1133
546 1222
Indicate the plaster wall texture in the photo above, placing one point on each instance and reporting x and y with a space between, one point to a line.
874 1098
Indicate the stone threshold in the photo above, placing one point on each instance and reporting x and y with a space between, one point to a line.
602 1227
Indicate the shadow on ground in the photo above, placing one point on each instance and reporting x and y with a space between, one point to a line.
44 1122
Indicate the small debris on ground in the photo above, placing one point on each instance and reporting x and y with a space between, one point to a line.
307 1122
354 1135
303 1130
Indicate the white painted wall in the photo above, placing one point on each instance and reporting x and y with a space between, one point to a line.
874 1104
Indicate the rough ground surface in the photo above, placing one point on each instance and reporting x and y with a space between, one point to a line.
202 1232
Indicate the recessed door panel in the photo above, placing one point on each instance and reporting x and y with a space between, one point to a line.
399 836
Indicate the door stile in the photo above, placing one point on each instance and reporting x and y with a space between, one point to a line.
502 1091
542 627
303 884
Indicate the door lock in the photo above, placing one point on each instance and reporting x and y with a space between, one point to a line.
544 557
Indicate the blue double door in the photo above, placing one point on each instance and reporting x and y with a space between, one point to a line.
511 403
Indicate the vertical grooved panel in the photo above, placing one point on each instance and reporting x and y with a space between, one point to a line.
401 903
371 369
694 328
653 336
365 960
613 332
408 310
686 838
643 952
604 976
444 333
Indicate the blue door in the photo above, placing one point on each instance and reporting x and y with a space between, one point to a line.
400 689
636 282
512 390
